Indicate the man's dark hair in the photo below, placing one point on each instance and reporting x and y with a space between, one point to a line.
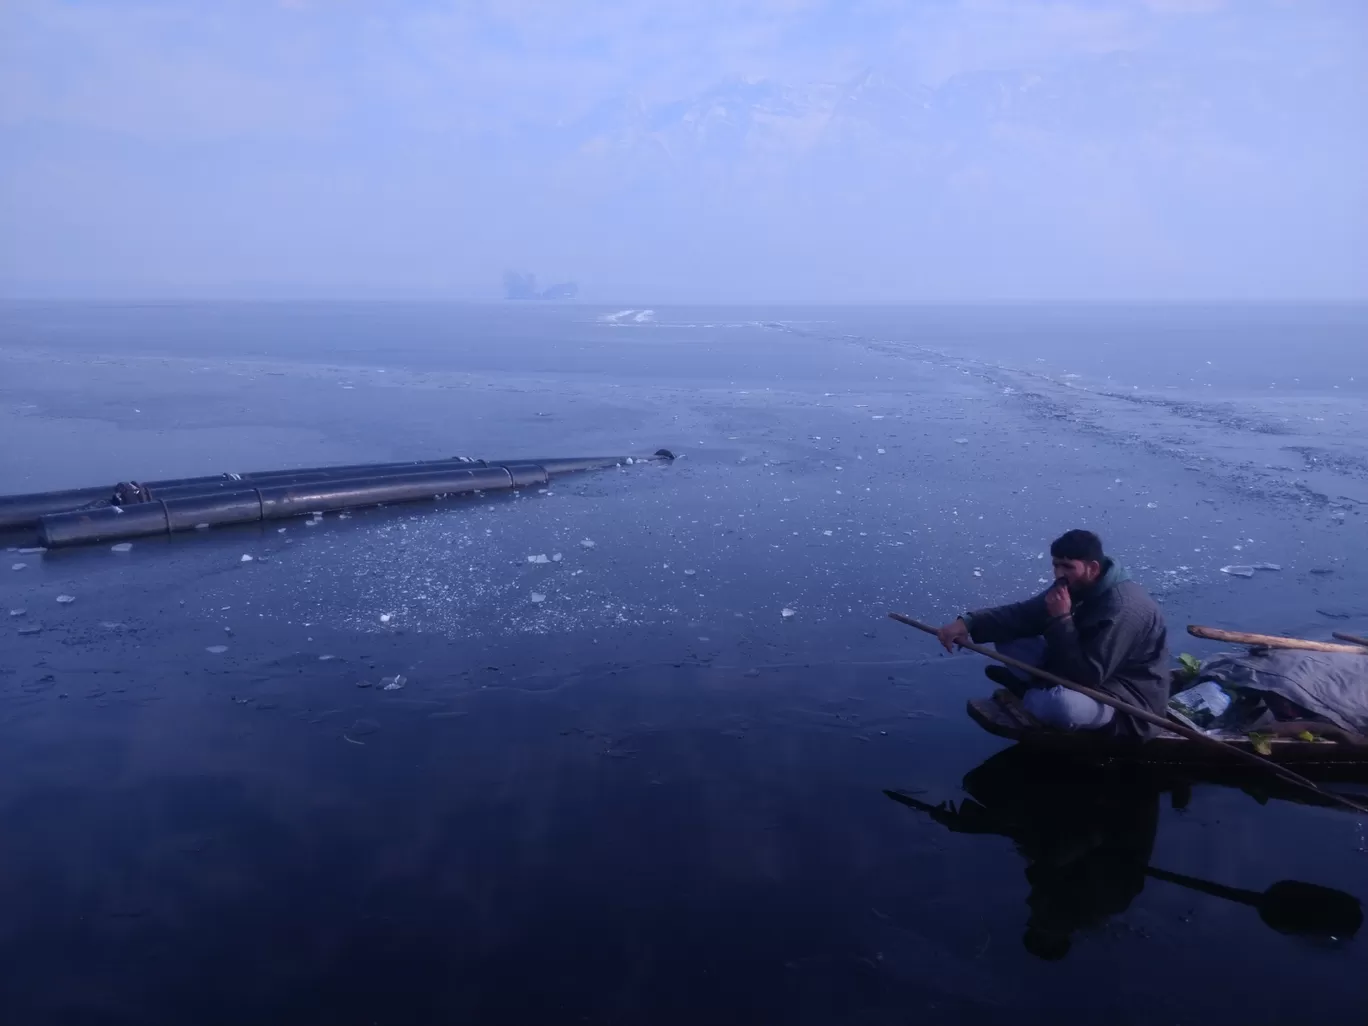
1080 545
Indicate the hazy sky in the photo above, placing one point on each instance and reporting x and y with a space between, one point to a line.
685 149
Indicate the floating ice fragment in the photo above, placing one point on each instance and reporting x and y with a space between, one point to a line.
827 533
630 461
690 573
32 551
1153 505
1267 566
18 612
587 544
538 597
66 600
217 649
386 617
121 547
393 683
882 451
326 658
540 558
557 557
201 527
18 566
961 441
1238 571
786 612
245 558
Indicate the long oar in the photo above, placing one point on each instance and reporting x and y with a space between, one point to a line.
1270 640
1289 906
1352 638
1249 758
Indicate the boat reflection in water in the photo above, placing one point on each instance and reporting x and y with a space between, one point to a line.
1087 838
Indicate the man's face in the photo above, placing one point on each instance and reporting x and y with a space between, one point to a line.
1077 572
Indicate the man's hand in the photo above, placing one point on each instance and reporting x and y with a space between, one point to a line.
1057 601
953 634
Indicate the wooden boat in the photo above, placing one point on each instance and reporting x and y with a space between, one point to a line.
1004 716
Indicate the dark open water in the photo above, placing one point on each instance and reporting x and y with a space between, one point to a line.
650 796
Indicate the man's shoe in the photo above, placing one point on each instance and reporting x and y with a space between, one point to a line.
1004 678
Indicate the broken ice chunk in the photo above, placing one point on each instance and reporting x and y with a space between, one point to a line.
538 597
1267 566
961 441
18 566
393 683
386 617
121 547
217 649
540 558
587 544
690 573
245 558
557 557
66 600
1238 571
786 612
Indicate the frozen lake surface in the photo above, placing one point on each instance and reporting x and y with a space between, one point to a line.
622 785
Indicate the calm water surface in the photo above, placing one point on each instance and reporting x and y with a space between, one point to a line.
648 795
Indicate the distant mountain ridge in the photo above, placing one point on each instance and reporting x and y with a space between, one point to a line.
1117 94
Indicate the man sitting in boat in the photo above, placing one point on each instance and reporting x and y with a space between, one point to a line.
1094 626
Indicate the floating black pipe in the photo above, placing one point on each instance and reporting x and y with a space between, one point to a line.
18 511
25 510
284 477
272 500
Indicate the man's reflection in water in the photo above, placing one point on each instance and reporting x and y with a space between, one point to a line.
1087 834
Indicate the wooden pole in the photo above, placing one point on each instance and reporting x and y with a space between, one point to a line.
1351 638
1271 640
1249 758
